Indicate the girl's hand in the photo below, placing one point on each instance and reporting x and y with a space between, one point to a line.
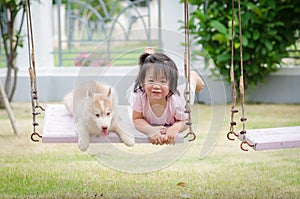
171 135
172 131
155 135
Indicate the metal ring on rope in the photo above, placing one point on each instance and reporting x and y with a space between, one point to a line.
245 143
35 134
192 134
231 133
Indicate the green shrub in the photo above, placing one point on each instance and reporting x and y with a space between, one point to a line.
269 27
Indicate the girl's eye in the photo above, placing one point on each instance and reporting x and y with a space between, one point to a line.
163 82
150 82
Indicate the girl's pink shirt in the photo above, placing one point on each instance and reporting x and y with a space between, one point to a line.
173 112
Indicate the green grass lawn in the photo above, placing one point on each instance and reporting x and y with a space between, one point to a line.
39 170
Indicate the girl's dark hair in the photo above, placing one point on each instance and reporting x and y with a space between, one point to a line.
161 63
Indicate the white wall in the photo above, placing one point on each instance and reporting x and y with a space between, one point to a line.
54 83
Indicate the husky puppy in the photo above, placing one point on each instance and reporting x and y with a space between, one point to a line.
94 108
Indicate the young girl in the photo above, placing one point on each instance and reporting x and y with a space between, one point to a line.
158 110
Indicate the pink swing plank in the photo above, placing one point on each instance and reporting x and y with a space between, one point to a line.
59 127
273 138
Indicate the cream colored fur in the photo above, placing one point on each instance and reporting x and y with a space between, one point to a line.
94 108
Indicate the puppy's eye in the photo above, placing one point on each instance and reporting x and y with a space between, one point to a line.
108 113
97 114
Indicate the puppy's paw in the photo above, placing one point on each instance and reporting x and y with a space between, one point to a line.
83 146
129 141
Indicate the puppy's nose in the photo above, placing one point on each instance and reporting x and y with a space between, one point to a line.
104 127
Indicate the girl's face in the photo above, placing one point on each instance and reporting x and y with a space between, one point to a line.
156 86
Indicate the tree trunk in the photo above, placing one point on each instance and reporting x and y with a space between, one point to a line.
14 85
8 109
10 85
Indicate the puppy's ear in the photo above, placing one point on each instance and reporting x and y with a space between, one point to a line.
91 91
109 92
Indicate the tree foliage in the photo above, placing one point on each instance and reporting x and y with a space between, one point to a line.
269 27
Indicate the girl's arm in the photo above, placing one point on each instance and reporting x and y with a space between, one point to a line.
153 132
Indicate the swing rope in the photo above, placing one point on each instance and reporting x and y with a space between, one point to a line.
233 89
32 75
187 70
241 82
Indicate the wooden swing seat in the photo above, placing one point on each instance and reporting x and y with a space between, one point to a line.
273 138
59 127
